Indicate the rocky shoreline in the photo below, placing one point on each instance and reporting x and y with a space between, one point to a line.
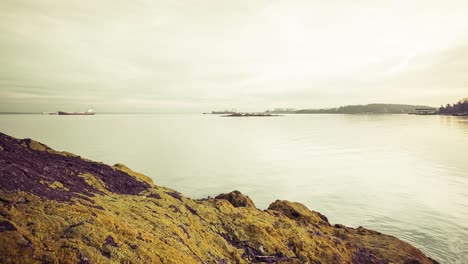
57 207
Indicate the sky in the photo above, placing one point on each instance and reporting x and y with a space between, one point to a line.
252 55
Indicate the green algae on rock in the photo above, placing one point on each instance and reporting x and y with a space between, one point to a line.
57 207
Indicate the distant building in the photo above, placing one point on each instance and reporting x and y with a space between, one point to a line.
426 111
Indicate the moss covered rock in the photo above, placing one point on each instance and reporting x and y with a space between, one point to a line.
237 199
56 207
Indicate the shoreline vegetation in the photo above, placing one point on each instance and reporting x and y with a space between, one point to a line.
357 109
457 109
58 207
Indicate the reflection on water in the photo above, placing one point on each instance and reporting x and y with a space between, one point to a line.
399 174
460 122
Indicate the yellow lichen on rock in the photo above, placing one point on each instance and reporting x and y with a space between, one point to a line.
58 185
94 182
54 185
237 199
37 146
116 215
134 229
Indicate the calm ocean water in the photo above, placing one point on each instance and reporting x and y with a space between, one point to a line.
402 175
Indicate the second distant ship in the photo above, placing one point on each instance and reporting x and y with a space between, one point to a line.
89 112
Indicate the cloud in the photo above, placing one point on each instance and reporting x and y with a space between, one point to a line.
170 55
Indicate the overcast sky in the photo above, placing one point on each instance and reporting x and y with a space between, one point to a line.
191 56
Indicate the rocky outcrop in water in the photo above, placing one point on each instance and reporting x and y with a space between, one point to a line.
57 207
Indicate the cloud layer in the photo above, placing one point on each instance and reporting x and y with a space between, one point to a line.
183 56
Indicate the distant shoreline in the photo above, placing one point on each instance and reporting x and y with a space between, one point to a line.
24 113
459 109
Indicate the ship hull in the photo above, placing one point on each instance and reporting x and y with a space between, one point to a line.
75 113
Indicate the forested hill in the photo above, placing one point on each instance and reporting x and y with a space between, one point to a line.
458 109
365 109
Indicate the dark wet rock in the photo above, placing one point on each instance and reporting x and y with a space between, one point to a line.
232 240
185 230
82 259
363 231
174 208
252 254
132 246
324 218
155 196
6 226
413 261
139 237
4 201
34 168
237 199
69 229
175 195
222 261
191 210
105 252
364 256
25 242
46 259
110 241
337 258
96 207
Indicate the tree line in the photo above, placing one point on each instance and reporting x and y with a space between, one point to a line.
365 109
460 108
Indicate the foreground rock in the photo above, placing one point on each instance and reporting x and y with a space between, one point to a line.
56 207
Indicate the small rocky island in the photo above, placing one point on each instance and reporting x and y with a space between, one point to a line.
250 115
57 207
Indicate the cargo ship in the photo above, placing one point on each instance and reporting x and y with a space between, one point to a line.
89 112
